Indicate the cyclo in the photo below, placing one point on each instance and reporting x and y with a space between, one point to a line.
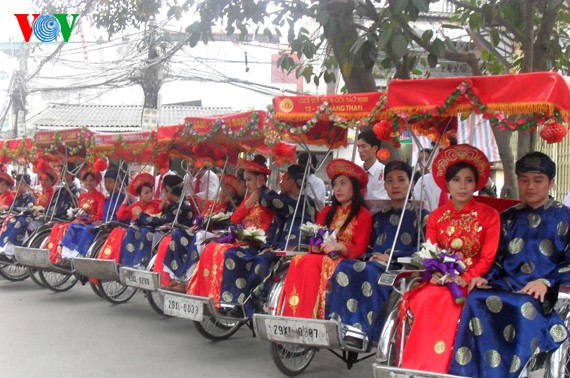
205 144
218 319
418 105
54 148
103 271
17 152
294 341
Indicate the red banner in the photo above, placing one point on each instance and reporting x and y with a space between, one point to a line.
69 136
303 108
539 92
131 147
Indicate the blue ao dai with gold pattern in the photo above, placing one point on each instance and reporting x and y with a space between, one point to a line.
500 329
353 293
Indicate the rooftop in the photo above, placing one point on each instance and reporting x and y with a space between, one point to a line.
115 118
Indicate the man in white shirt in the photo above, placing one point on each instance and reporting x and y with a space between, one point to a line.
567 200
368 146
205 185
315 185
426 190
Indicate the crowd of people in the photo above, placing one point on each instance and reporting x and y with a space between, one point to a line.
514 262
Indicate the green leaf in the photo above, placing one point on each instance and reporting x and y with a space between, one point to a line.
385 36
398 7
316 80
475 21
438 47
329 77
347 69
495 37
399 45
427 35
432 60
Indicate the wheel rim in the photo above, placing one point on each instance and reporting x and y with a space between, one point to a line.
156 301
115 292
14 272
35 276
58 282
291 359
217 329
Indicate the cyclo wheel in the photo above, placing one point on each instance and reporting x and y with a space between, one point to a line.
112 291
291 359
115 292
14 272
93 252
216 329
56 282
35 277
155 298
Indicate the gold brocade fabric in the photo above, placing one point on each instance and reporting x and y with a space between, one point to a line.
258 217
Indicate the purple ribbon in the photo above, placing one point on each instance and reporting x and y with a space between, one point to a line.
452 268
198 221
318 239
230 237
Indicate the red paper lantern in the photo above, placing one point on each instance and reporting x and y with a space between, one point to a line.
383 130
383 154
553 132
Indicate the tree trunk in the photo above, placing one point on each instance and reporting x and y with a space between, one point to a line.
341 33
510 187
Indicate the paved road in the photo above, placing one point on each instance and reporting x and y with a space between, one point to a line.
76 334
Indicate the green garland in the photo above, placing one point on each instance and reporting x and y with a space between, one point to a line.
272 136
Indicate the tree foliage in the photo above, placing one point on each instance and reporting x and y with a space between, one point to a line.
366 39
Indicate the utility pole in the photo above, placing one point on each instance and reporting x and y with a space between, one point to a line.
151 80
19 95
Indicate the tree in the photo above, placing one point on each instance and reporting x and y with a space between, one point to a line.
366 38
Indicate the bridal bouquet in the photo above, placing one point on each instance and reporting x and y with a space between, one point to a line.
318 235
436 260
252 235
249 234
215 221
77 213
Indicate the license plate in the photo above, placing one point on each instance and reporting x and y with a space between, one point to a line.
387 279
297 332
140 279
182 307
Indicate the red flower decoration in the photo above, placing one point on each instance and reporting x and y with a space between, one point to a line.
284 153
383 130
162 162
100 165
383 154
553 132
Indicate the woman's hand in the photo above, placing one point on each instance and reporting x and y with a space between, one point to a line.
128 196
328 247
252 200
136 212
436 278
458 280
260 181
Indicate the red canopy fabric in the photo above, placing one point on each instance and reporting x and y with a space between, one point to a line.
323 120
351 106
512 94
131 147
